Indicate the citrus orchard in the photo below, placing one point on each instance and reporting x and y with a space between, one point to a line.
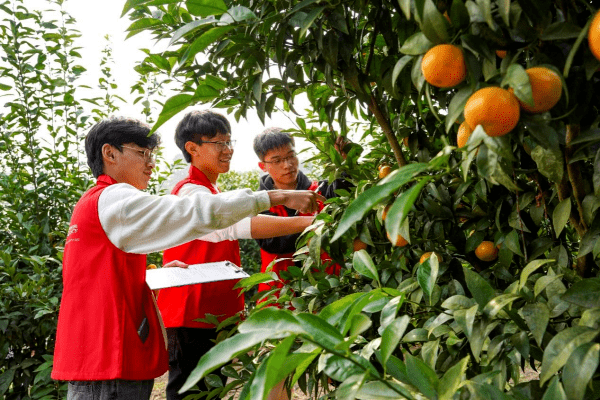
495 109
444 66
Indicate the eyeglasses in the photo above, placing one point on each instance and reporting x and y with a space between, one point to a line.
280 161
222 145
147 154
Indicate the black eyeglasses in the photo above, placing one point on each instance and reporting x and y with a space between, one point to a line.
292 158
147 154
222 145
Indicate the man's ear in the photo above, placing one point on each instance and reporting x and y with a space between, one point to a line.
108 153
190 147
262 166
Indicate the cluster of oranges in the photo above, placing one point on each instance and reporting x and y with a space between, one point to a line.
496 109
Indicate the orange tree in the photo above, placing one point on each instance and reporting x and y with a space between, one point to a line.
525 184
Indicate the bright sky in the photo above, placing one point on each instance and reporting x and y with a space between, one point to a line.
97 19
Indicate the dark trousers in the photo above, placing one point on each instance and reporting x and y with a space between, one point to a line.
186 347
116 389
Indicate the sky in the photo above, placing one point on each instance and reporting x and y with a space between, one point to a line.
97 19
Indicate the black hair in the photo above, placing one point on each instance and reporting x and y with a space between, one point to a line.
269 139
116 131
198 125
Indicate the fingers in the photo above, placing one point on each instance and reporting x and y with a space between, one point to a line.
175 263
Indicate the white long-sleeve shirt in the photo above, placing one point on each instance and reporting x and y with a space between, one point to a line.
138 222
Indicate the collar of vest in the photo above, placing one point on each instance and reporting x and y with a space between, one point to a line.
196 177
105 180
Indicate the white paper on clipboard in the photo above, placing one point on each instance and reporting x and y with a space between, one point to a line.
196 273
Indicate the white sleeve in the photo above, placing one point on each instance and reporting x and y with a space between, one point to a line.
239 230
137 222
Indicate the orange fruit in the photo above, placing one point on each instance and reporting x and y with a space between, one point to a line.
486 251
464 132
594 36
428 254
546 88
151 266
385 211
399 242
444 66
495 109
384 171
358 244
405 141
501 53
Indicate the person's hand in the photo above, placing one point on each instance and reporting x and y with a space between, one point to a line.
305 201
176 263
340 143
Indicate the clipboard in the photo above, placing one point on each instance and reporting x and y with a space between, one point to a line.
196 273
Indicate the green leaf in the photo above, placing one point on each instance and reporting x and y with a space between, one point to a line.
457 105
310 19
371 197
498 303
189 27
333 312
561 347
172 106
416 45
271 320
434 25
391 337
421 376
253 280
560 215
555 391
402 62
452 380
517 78
528 270
580 369
585 293
560 31
512 242
204 8
141 25
363 264
481 290
6 380
319 330
388 313
402 205
360 323
350 387
5 87
427 273
537 316
203 41
377 390
237 14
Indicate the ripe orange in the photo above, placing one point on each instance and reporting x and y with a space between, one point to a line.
151 266
358 244
594 36
444 66
399 242
385 211
428 254
501 53
546 88
464 132
384 170
495 109
486 251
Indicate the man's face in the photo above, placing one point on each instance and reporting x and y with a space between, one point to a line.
134 165
213 155
282 164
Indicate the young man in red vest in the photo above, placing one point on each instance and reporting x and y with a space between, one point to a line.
110 342
277 154
204 138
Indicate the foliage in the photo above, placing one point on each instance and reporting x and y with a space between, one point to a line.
390 326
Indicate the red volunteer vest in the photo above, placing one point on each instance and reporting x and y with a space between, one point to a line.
180 306
104 301
282 265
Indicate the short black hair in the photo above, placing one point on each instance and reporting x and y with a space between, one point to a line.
198 125
116 131
269 139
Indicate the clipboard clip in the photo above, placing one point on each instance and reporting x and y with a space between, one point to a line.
235 267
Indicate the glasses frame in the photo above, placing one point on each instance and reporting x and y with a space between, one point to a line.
292 158
147 154
229 144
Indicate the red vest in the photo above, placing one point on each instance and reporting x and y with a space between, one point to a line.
104 301
283 265
180 306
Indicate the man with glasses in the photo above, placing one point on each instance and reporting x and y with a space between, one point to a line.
110 342
278 159
204 138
